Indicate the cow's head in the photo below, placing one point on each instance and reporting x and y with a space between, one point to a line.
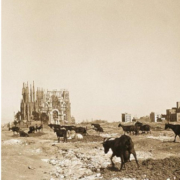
166 126
106 145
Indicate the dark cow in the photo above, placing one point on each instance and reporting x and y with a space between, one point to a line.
23 134
62 132
70 128
51 125
100 129
143 127
32 129
81 130
97 128
14 129
121 147
39 127
130 128
175 128
95 125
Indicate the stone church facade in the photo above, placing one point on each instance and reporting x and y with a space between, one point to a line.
55 104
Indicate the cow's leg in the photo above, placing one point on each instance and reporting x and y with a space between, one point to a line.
122 162
175 138
65 138
135 157
58 139
112 160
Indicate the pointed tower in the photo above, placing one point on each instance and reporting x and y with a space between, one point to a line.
27 91
34 100
23 92
31 94
23 103
37 100
30 103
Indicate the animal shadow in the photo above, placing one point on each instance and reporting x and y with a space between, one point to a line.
15 135
113 168
170 142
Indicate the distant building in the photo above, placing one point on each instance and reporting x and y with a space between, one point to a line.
173 114
55 104
154 117
178 116
134 119
126 117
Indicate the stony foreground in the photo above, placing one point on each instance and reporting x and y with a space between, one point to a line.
40 157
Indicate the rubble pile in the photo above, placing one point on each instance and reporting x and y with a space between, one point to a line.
12 142
71 164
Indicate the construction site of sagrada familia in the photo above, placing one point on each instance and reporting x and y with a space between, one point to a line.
55 105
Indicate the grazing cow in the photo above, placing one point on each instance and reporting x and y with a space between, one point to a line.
121 147
130 128
51 125
143 127
95 125
32 129
23 134
81 130
14 129
39 127
97 128
70 128
62 132
100 129
175 128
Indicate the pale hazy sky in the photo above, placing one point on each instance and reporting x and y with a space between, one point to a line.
113 56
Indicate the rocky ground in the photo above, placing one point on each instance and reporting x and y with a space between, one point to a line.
40 157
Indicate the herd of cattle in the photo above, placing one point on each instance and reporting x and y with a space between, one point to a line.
121 147
61 131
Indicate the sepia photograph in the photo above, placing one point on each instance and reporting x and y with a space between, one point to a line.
90 90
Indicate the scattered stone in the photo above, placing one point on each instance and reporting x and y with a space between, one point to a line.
53 162
45 160
61 177
12 142
52 179
29 167
98 175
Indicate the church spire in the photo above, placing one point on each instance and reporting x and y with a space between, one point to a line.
23 92
27 91
33 93
30 93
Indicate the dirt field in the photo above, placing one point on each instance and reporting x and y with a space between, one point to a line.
40 157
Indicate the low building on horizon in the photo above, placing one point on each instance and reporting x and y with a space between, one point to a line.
155 117
126 117
173 114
